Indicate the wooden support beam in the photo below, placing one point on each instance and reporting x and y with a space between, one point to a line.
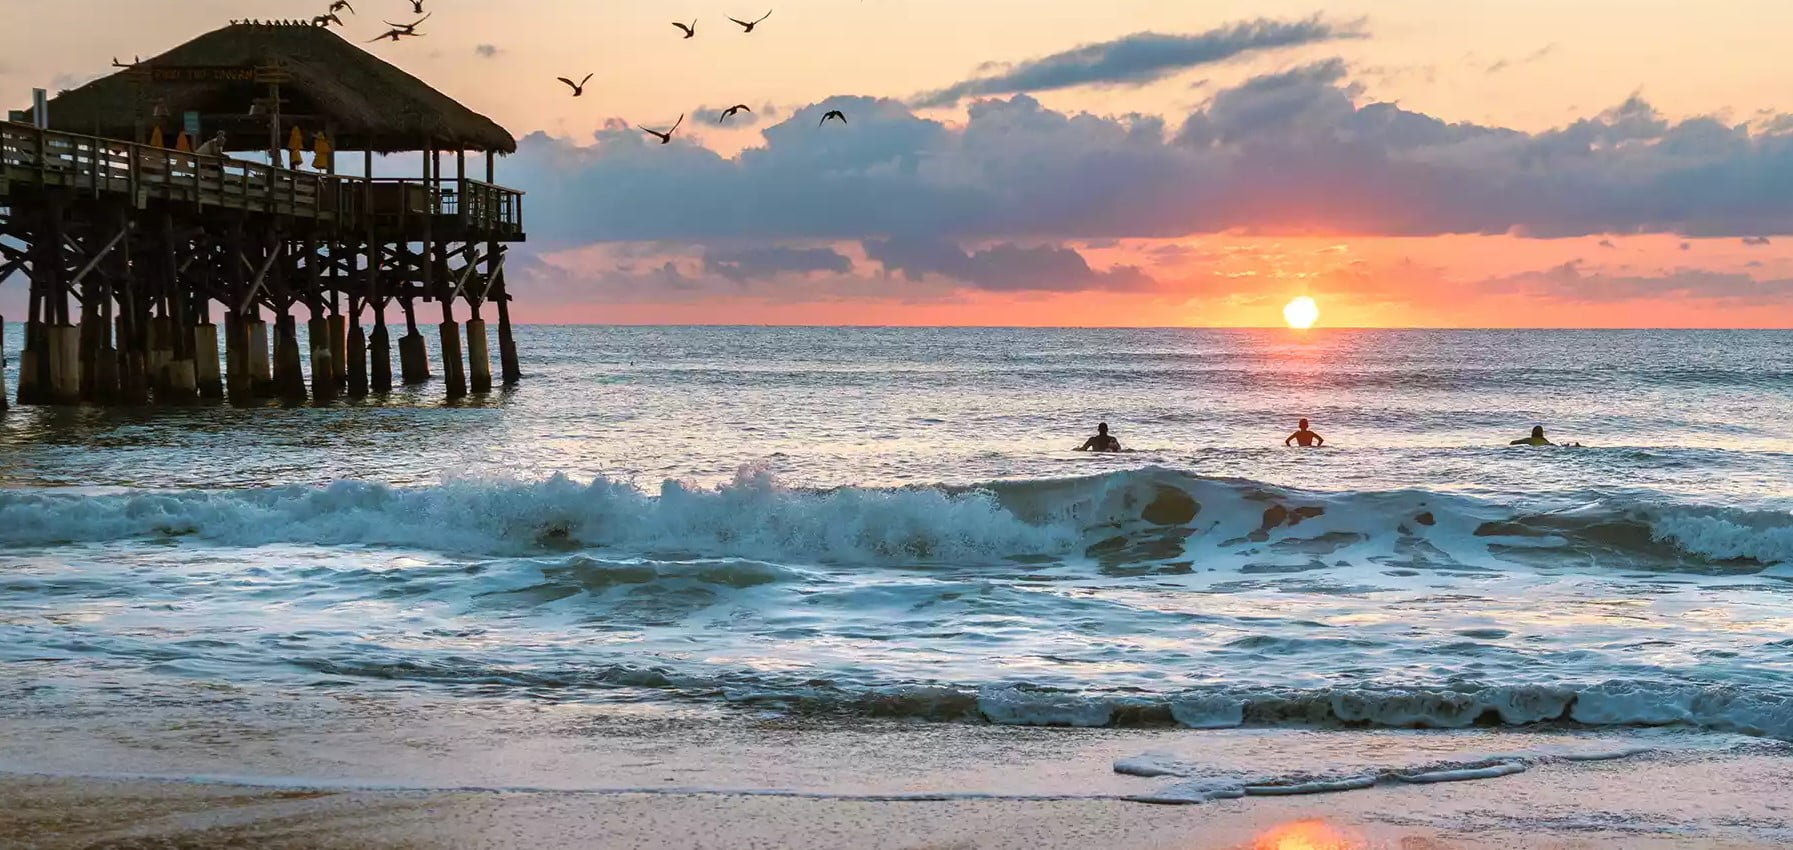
261 275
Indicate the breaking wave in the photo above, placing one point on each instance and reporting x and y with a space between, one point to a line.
1153 518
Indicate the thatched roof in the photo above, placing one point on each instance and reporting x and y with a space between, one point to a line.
370 104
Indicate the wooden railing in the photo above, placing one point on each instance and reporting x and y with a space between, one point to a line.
143 173
100 167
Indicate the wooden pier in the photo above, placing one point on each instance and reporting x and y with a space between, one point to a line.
134 254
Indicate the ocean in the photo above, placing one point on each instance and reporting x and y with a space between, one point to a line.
845 524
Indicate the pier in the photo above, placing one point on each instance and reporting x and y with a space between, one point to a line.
161 275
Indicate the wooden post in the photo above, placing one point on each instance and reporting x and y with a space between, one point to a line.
2 364
510 369
479 363
289 373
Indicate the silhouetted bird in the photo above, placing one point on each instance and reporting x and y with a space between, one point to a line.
340 5
690 31
748 26
417 7
400 30
666 137
578 87
832 113
326 19
730 112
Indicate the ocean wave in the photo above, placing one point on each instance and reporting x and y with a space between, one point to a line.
1151 520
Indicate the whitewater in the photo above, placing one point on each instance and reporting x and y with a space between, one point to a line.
840 525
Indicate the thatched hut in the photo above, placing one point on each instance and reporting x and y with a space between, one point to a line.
324 83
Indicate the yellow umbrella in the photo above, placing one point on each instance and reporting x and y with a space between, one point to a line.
321 151
295 143
155 137
182 143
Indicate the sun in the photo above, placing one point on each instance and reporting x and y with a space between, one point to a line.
1301 313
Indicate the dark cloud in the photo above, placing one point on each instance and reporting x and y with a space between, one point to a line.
762 262
1141 58
1756 240
487 50
1293 152
1002 267
1572 281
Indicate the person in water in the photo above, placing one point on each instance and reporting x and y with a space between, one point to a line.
1536 439
1102 442
1306 438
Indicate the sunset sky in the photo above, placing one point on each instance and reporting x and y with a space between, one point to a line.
1122 162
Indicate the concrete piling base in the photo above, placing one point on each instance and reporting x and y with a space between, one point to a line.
65 363
33 365
2 363
479 361
339 354
413 359
261 362
161 351
356 379
289 372
321 340
507 346
454 369
379 351
205 361
180 382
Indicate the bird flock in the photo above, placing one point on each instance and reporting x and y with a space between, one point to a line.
690 31
397 31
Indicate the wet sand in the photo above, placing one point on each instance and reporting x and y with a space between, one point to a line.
52 814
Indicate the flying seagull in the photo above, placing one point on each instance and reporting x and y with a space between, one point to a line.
690 31
730 112
666 137
832 113
748 26
578 87
402 29
326 20
417 7
340 5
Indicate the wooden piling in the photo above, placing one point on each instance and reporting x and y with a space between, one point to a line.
338 328
508 365
2 364
453 377
357 362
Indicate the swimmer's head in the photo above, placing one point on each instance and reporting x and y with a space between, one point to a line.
1303 425
1538 431
1102 428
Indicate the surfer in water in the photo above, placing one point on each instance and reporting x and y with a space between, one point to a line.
1102 442
1536 439
1306 438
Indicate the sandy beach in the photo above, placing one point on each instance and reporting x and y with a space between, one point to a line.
287 770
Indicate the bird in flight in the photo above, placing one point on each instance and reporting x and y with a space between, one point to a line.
326 19
731 111
747 26
690 31
417 7
832 113
578 87
340 5
666 137
399 30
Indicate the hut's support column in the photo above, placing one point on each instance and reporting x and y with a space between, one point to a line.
454 373
2 370
507 344
479 362
182 367
289 373
31 356
65 363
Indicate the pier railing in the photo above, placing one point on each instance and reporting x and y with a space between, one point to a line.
110 167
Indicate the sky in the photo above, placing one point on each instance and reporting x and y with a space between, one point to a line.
1520 163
